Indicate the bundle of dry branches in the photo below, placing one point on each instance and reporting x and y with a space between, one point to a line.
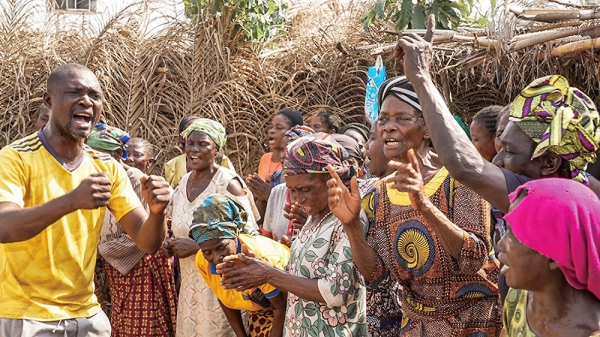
153 77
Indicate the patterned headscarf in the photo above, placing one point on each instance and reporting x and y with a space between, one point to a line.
108 138
213 129
298 131
559 219
312 155
400 88
218 217
560 119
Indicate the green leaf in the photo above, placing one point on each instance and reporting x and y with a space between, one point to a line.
352 311
305 272
380 6
406 12
319 243
367 19
311 309
333 257
348 253
328 331
339 330
419 19
310 256
357 293
317 328
346 268
298 309
306 324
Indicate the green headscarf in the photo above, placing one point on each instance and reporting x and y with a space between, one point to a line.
218 217
213 129
108 138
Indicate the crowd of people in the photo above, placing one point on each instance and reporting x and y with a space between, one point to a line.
414 226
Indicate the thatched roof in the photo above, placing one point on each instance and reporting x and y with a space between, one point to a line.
151 81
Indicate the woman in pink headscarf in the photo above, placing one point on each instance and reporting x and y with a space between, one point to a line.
551 257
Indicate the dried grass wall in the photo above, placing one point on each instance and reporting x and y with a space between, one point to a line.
153 80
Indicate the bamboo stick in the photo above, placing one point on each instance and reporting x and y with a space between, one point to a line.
549 36
554 26
575 47
565 3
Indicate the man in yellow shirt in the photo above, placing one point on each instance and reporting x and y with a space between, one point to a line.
54 192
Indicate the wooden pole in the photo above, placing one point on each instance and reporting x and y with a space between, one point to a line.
549 36
575 47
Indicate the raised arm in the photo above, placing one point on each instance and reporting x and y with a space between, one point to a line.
346 206
455 150
20 224
148 230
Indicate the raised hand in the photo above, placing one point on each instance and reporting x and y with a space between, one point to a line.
408 178
182 247
93 192
284 240
259 188
156 192
344 204
241 272
417 52
295 214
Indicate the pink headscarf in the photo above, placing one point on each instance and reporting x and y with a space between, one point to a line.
560 219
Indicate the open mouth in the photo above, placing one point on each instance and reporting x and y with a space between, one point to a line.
271 140
391 142
194 158
82 119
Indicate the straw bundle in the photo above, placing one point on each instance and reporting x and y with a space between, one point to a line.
153 77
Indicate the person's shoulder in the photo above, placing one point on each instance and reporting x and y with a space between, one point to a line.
513 180
134 173
175 160
279 189
28 144
266 157
260 243
97 155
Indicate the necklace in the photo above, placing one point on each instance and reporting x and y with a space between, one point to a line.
321 222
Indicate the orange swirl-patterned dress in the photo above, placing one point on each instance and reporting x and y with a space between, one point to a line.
441 296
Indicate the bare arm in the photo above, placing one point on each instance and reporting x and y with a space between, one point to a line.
148 231
234 317
455 150
20 224
241 272
279 304
467 244
345 205
364 257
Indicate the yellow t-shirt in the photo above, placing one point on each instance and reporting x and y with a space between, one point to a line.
50 276
274 252
175 169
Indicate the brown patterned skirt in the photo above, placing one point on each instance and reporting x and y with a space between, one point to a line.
144 301
260 323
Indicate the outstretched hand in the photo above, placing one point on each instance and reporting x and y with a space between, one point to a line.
417 52
343 203
243 271
295 214
408 178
